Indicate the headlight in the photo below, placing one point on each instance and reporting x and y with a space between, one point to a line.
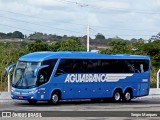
32 92
12 90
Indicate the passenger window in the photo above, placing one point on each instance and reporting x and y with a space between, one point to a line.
136 66
111 66
65 66
92 66
77 66
101 66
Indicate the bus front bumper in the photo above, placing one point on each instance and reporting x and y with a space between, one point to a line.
24 95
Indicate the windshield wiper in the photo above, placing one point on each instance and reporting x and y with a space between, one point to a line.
13 85
18 82
32 86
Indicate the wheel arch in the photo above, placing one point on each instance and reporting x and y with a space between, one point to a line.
117 88
56 91
128 89
117 94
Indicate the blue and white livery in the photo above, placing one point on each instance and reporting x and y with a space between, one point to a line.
54 76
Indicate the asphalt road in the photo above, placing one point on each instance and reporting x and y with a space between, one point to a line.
146 108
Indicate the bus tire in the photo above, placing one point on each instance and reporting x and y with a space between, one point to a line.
32 102
127 96
55 98
117 96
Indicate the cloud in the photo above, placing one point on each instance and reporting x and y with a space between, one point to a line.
113 16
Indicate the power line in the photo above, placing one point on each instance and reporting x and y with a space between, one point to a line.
70 31
63 21
113 8
123 35
40 18
113 35
90 35
79 4
64 29
76 3
84 42
17 27
125 10
41 25
106 28
119 34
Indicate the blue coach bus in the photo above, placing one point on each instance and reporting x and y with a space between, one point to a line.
54 76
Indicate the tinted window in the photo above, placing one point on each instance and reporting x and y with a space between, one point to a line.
111 66
51 62
124 66
136 66
78 66
101 66
92 66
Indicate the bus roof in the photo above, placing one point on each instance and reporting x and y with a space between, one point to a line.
41 56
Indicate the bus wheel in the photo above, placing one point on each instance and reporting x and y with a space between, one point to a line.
117 96
127 96
55 98
32 102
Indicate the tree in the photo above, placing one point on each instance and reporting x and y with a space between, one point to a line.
68 45
119 47
100 36
65 36
2 35
133 40
152 50
17 34
10 53
36 36
9 35
85 37
38 45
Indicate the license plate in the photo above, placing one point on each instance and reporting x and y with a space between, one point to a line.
20 97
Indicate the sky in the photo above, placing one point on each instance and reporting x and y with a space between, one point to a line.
126 19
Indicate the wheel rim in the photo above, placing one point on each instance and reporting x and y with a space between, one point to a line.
117 96
127 96
55 98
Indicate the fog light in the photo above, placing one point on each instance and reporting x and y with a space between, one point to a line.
32 97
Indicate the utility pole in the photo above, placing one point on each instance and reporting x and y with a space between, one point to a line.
88 38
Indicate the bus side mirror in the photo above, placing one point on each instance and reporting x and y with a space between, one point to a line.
8 69
38 69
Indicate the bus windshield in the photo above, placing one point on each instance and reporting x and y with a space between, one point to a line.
23 75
